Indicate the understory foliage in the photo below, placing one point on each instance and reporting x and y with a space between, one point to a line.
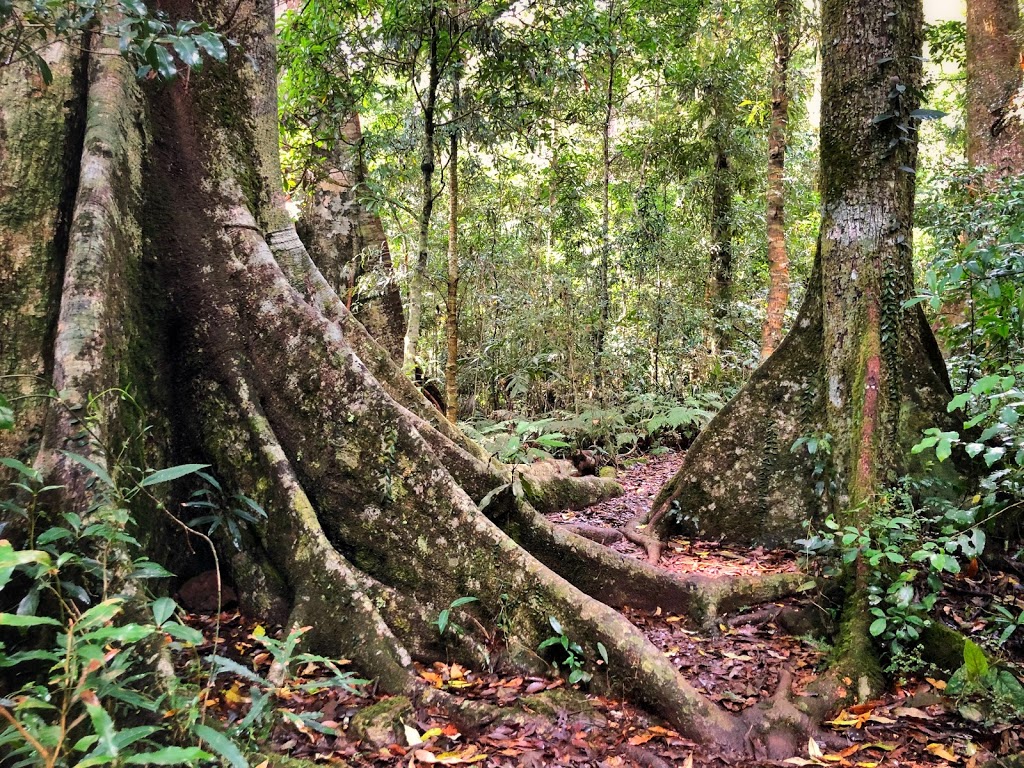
642 423
89 653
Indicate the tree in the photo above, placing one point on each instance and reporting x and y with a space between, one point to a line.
995 103
778 259
858 372
348 243
146 226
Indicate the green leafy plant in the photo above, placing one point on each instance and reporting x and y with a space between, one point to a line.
906 547
573 656
444 622
156 46
985 692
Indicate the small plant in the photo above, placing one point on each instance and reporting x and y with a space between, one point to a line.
444 622
221 510
574 657
985 692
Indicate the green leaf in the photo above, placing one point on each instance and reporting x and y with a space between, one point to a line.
22 469
6 414
170 756
555 625
99 614
213 44
92 466
877 627
163 609
14 620
222 745
603 652
928 114
975 663
171 473
219 662
186 49
183 633
102 724
463 601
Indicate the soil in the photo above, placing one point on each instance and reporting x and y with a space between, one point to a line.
739 667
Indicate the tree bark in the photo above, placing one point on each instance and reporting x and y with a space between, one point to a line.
995 100
451 368
603 297
348 244
778 258
719 286
856 365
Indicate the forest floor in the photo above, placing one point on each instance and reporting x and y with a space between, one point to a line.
738 667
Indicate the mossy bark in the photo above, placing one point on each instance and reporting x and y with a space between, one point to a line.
348 244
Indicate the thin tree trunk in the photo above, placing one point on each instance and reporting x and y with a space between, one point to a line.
427 154
603 299
778 258
451 368
719 287
995 104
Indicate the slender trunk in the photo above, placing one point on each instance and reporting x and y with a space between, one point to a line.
603 300
995 104
419 275
778 259
451 368
719 288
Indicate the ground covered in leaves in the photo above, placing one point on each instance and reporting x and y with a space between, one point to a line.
551 723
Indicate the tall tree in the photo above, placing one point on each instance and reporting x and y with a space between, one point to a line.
778 258
995 103
347 240
451 368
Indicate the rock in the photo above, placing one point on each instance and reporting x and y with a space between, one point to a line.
381 724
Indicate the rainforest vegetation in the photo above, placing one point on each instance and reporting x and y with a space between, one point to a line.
595 382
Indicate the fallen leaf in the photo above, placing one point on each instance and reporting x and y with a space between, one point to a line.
641 738
920 714
941 750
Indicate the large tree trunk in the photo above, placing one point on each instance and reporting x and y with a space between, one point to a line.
995 101
165 259
856 365
348 244
778 258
